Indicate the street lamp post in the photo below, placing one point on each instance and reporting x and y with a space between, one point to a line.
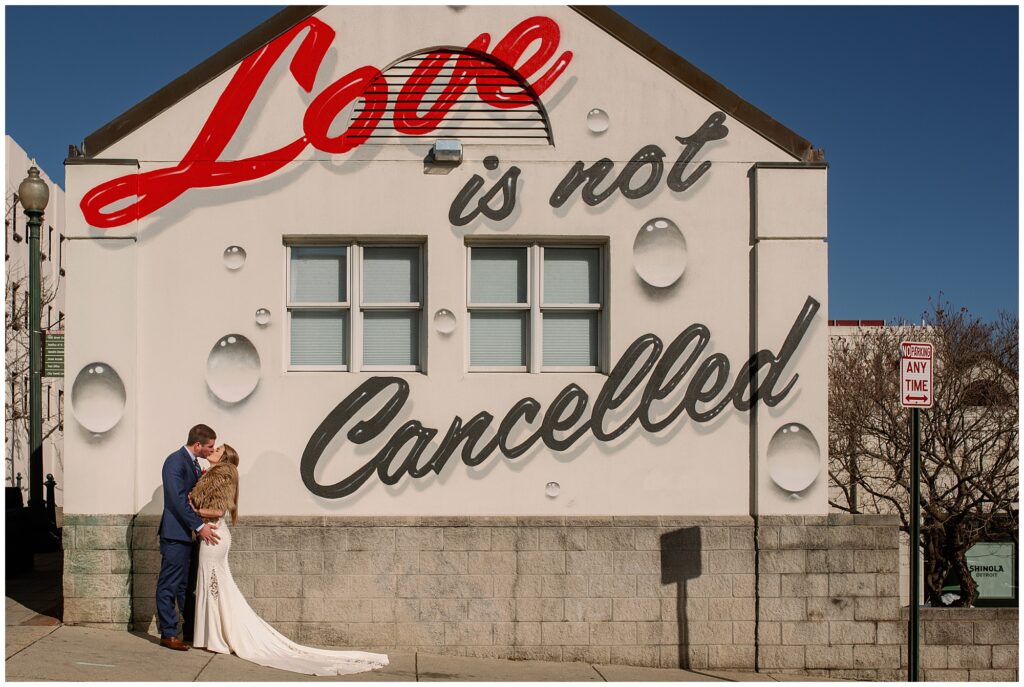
34 194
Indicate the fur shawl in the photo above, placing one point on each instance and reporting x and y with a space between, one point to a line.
218 488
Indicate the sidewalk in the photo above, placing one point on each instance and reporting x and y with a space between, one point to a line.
39 647
69 653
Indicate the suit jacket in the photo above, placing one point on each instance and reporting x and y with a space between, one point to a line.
179 475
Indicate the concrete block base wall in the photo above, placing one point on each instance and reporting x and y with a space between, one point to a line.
828 596
98 570
581 589
961 644
817 596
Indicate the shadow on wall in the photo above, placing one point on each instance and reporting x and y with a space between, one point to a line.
680 562
145 561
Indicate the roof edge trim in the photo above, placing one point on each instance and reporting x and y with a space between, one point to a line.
689 75
206 71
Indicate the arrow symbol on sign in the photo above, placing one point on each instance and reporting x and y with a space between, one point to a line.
917 398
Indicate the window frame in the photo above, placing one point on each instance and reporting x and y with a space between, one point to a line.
337 306
417 307
354 304
472 307
536 306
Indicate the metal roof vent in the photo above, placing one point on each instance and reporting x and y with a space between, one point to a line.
458 94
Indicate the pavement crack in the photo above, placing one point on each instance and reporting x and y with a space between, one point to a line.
416 665
32 642
598 672
205 666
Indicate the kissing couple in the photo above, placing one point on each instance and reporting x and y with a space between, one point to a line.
194 543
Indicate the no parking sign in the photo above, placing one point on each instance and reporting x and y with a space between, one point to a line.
915 374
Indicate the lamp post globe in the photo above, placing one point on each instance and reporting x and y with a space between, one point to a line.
34 194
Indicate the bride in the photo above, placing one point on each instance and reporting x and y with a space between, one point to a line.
225 622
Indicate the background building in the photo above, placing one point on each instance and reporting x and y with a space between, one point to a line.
16 381
969 442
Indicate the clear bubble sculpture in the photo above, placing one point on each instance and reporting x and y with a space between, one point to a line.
794 458
659 252
552 489
234 257
444 321
597 121
233 368
98 398
262 317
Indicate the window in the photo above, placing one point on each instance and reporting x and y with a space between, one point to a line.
355 306
993 566
528 318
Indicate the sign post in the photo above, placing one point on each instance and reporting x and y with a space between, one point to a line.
915 393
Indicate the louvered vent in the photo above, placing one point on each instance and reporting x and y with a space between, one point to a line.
455 94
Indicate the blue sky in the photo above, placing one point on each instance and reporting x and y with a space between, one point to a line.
916 108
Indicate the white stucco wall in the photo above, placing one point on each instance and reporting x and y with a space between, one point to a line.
161 285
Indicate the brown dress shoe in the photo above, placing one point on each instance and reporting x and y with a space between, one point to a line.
174 643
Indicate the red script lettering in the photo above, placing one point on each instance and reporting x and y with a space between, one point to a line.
201 168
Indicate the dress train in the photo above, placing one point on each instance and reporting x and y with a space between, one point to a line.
226 623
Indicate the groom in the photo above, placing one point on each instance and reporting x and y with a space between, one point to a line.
180 473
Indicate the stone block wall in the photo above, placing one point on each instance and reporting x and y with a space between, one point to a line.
598 589
828 596
97 570
817 596
961 644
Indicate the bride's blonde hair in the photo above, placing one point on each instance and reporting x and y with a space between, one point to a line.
231 457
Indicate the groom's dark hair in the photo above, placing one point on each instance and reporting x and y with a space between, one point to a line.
200 433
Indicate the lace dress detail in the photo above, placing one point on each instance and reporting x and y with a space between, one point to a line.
214 589
226 623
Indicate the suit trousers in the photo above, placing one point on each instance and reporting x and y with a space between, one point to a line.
175 562
189 613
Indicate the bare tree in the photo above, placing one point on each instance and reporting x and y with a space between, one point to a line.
16 377
969 439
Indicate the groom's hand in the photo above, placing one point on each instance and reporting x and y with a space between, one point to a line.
207 534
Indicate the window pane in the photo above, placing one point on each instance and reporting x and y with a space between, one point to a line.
498 275
319 337
570 339
498 338
571 275
391 274
391 338
317 274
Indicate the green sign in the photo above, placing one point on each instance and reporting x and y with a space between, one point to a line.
991 565
53 354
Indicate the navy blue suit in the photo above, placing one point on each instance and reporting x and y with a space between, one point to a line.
177 524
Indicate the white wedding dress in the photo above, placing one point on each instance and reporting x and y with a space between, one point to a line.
225 623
